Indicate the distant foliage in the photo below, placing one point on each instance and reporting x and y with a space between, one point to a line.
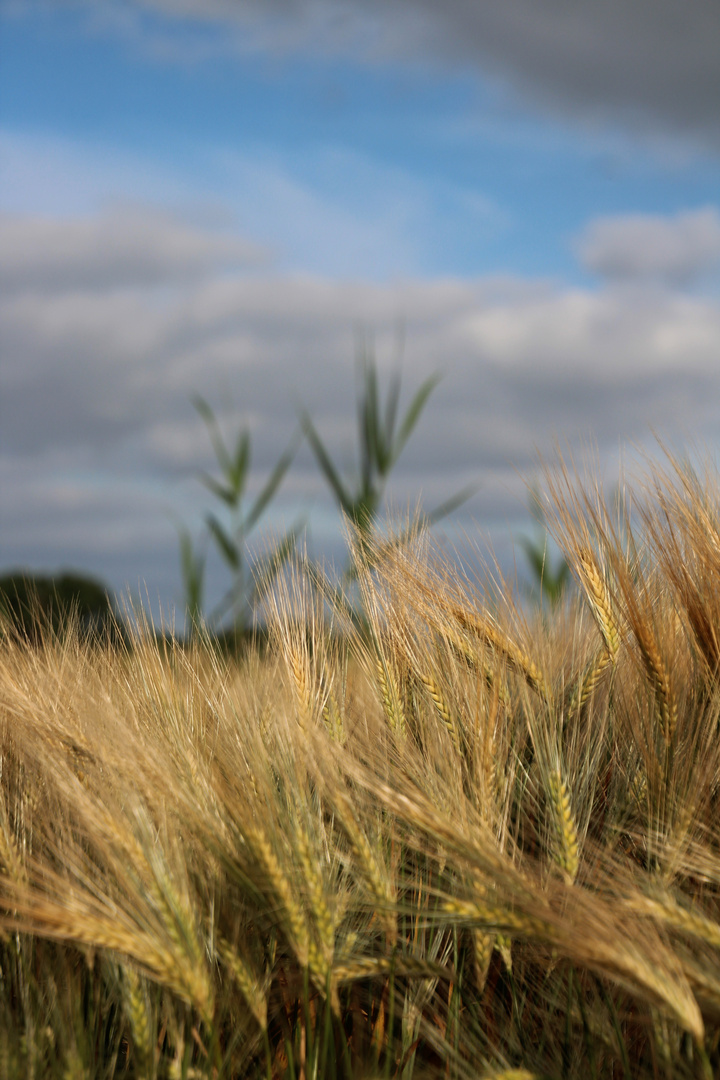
31 604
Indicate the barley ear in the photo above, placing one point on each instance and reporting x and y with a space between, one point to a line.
513 655
137 1010
296 923
483 944
660 680
566 847
333 719
503 944
590 679
10 857
598 596
442 708
249 985
368 865
301 681
320 951
390 694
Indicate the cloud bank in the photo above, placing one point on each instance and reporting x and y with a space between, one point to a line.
100 443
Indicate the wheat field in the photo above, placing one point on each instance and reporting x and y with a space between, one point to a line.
454 838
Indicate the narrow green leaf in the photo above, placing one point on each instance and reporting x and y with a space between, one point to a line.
232 600
229 549
221 452
333 593
367 425
413 414
271 487
535 553
326 464
391 408
450 505
222 491
240 465
192 567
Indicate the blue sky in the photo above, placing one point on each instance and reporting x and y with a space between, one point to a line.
217 197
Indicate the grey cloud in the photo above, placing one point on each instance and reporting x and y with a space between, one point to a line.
104 367
649 63
127 246
99 440
678 250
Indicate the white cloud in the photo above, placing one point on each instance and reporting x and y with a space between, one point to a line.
678 250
